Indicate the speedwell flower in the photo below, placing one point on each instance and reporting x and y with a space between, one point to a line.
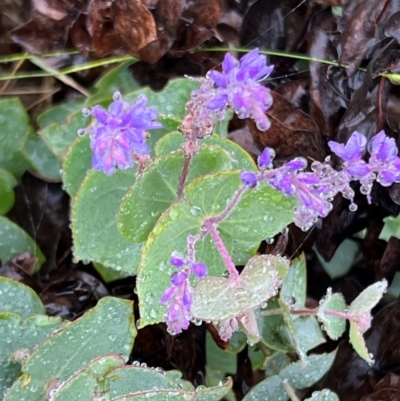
118 132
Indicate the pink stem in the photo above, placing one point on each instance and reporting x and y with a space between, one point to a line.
303 312
184 174
336 313
211 229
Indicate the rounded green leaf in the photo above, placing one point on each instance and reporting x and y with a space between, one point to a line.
94 222
368 298
82 385
59 113
7 196
333 325
107 328
77 162
357 341
302 375
269 389
19 298
156 189
294 287
14 240
14 129
174 140
18 338
219 298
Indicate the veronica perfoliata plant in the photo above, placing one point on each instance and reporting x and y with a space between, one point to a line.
189 207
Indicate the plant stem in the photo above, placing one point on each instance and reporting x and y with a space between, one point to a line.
211 229
234 201
191 242
184 174
290 390
304 312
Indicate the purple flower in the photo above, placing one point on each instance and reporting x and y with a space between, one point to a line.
116 133
382 148
199 269
249 179
178 278
265 159
353 149
238 86
177 260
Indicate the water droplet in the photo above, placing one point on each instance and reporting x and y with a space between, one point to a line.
195 211
138 322
86 112
353 207
143 365
135 363
160 370
285 230
197 322
269 240
81 132
117 96
225 274
135 290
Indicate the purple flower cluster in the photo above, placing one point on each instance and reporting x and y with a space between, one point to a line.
116 134
383 164
179 294
237 87
315 190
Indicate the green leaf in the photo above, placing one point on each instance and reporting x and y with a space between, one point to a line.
18 338
59 137
368 298
269 389
391 228
107 274
82 385
303 376
96 236
7 195
107 328
333 325
41 159
171 100
357 341
58 114
156 189
118 79
14 130
219 298
237 342
275 363
304 331
174 140
77 163
218 359
14 240
294 287
324 395
169 124
298 376
19 298
342 260
206 196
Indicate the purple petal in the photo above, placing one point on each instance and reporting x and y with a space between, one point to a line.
168 294
308 178
249 179
178 278
229 63
199 269
299 163
382 147
352 150
177 260
358 169
218 78
100 114
265 159
218 102
187 298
